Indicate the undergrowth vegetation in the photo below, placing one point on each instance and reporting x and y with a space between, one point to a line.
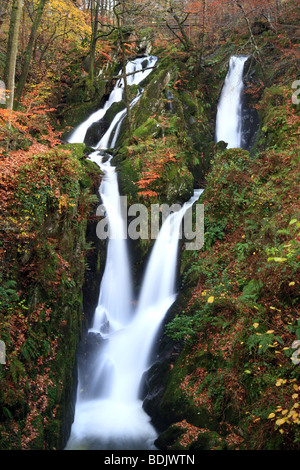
46 200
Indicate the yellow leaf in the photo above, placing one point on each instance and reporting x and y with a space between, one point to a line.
271 415
280 382
295 395
292 283
280 421
210 300
270 332
255 325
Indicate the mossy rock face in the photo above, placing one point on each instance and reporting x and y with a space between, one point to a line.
95 132
276 130
75 115
80 104
172 181
155 383
151 102
188 102
168 440
128 174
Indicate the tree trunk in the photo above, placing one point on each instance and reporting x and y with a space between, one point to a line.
29 49
13 50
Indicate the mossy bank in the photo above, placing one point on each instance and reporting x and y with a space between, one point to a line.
231 382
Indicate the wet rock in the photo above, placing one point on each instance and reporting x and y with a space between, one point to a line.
95 132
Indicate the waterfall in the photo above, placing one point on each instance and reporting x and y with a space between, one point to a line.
228 123
136 74
109 415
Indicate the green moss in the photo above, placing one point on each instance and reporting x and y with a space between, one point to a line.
208 441
169 439
279 126
150 102
81 102
180 187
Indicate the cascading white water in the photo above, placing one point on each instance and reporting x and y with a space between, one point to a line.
228 122
112 416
